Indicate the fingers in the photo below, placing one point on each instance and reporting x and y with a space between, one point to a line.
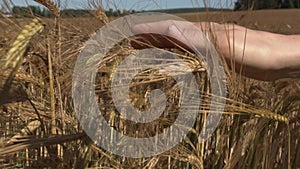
164 34
161 27
191 36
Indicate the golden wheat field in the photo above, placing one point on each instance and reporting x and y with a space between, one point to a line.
260 126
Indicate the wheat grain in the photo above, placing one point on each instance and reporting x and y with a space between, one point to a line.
18 47
101 15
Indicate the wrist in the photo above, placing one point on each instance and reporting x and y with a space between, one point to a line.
288 56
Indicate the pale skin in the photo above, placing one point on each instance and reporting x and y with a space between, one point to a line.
257 54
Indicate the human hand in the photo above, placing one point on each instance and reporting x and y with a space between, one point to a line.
248 52
170 34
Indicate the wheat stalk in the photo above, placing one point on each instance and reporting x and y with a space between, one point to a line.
51 6
13 59
18 47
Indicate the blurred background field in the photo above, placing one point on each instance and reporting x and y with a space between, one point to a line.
284 21
260 127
